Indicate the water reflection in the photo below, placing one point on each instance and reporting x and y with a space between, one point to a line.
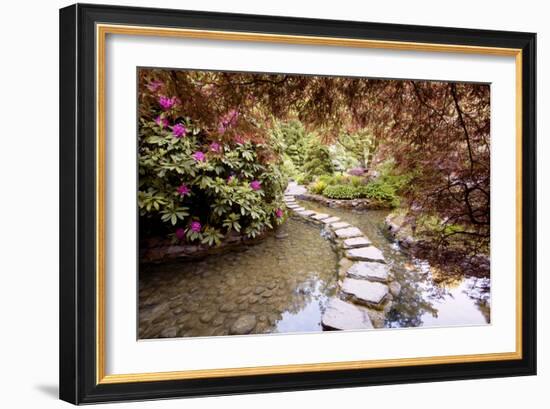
428 297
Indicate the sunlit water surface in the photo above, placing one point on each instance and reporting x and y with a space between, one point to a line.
424 299
284 284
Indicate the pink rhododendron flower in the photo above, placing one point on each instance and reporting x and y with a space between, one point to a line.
215 147
179 130
167 102
199 156
279 213
180 233
184 189
154 86
196 227
255 185
162 122
239 139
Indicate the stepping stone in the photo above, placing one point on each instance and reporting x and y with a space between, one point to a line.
348 232
367 270
306 213
299 209
356 242
320 216
292 206
339 225
365 292
330 220
342 315
366 254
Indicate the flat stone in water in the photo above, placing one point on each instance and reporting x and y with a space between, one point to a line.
330 220
365 292
366 254
356 242
342 315
292 205
348 232
299 209
369 271
306 213
227 307
169 332
339 225
320 216
243 325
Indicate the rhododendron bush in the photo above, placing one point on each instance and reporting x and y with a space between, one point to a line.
198 184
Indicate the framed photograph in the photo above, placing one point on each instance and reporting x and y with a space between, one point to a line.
258 203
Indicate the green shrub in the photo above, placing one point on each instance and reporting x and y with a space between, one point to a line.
342 192
300 179
379 191
376 191
295 139
326 179
317 187
317 160
356 181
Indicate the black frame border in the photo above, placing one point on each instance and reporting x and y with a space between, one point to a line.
78 197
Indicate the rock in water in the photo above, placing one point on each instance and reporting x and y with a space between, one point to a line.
365 292
366 254
341 315
330 220
369 271
244 325
320 216
395 288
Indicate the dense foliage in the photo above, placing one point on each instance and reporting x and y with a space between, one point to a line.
383 190
317 161
438 133
198 187
295 139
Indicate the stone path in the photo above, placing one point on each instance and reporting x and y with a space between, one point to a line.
365 286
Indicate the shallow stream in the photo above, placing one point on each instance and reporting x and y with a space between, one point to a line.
282 284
